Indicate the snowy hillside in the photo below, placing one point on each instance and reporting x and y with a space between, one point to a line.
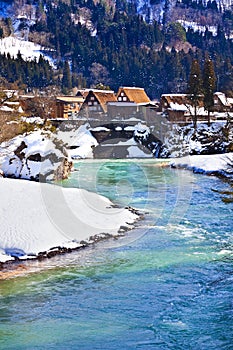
28 49
162 11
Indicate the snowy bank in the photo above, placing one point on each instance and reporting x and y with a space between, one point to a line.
214 164
41 219
79 141
180 141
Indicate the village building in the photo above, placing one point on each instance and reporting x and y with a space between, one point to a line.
178 109
121 110
132 94
68 106
222 103
174 107
132 102
95 103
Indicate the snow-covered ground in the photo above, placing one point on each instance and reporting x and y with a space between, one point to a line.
136 152
197 27
38 217
28 49
206 164
183 140
80 142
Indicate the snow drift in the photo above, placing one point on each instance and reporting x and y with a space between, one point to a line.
214 164
37 217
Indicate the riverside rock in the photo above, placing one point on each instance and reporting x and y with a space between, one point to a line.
38 156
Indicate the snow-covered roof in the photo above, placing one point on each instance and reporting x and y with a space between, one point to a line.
170 95
223 99
178 107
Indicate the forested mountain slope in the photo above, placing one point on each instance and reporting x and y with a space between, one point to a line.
139 43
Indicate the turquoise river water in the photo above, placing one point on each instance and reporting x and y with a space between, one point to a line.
168 284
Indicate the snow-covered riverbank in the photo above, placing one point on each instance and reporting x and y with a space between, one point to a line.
213 164
42 218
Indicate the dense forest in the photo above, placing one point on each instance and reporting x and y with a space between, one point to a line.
95 43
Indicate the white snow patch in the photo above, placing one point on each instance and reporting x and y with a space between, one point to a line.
33 120
37 217
136 152
100 128
6 109
141 131
197 27
5 257
130 142
80 140
205 163
28 49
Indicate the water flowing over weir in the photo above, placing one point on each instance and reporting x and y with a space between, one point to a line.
115 138
113 143
166 285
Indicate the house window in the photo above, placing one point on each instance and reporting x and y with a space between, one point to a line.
92 98
124 98
122 93
95 103
119 98
90 103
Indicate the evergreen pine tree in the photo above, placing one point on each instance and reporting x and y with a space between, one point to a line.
66 79
195 88
209 82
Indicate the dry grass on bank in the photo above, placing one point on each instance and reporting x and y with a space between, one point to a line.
11 125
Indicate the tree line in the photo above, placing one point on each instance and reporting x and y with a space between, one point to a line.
201 84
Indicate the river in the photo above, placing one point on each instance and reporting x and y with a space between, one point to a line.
168 284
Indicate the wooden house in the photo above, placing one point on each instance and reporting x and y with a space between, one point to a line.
137 102
132 94
177 108
222 103
95 103
174 107
68 106
121 110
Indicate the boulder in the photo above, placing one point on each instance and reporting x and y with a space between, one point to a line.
38 156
